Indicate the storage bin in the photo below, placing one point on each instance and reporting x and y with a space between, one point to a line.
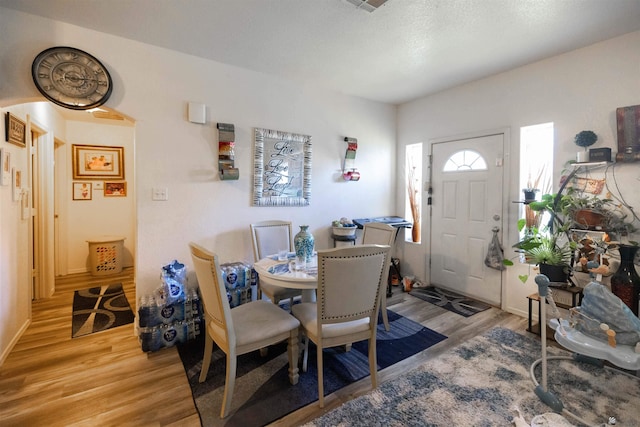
105 255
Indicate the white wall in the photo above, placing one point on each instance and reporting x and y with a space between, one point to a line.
153 86
577 91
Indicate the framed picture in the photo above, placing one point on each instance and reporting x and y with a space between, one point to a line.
115 189
628 127
5 167
98 162
82 191
282 169
17 184
15 130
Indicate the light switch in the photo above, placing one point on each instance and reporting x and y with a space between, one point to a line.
160 194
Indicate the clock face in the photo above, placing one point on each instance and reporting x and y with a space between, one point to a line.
71 78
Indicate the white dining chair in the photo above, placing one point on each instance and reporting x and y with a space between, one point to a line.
245 328
378 233
350 281
268 238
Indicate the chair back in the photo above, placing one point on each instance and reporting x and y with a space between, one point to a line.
214 294
378 233
269 237
350 281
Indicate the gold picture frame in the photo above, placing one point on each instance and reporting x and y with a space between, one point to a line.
115 189
82 191
15 130
98 162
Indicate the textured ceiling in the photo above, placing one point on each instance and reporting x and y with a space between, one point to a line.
404 50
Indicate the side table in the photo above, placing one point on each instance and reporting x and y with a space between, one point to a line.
350 239
573 292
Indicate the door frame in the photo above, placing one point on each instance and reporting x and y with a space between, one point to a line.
506 191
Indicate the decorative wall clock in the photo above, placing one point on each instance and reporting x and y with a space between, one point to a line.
71 78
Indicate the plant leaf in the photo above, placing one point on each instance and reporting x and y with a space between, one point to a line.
523 277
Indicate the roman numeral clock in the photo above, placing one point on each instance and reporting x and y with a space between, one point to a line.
71 78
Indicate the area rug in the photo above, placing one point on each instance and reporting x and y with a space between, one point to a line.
450 300
98 309
484 382
263 392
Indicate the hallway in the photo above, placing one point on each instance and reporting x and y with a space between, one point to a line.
100 379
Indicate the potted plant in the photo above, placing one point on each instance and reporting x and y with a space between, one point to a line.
584 139
548 246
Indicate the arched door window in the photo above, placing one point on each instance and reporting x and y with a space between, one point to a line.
465 160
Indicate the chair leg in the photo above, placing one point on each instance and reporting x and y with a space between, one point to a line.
229 383
206 359
320 376
373 363
383 308
292 352
305 357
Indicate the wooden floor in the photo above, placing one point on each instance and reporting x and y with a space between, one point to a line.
105 379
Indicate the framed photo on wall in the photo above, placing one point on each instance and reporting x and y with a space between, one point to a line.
82 191
17 184
115 189
5 167
15 130
98 162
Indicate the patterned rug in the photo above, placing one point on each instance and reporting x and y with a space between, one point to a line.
451 301
263 392
484 381
98 309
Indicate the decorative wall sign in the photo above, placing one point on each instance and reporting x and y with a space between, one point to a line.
282 169
98 162
628 125
17 184
15 130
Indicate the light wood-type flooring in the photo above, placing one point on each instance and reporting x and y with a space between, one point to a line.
104 379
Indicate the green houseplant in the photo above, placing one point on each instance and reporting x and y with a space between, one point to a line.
585 139
547 246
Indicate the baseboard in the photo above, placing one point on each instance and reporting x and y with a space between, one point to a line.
14 341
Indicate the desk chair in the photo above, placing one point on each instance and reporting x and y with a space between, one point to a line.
377 233
269 237
245 328
350 281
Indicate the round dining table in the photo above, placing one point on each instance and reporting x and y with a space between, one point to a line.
284 274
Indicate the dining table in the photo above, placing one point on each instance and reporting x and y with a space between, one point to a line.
284 273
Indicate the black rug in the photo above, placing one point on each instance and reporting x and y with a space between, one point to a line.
263 392
100 308
451 301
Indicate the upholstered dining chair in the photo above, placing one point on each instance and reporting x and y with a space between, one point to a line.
245 328
349 284
268 238
378 233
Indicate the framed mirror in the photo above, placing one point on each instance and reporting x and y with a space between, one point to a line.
282 168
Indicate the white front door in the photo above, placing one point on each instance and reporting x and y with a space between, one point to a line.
467 182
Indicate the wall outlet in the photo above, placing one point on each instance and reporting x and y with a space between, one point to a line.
161 194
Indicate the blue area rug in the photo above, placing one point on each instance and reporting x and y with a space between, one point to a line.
263 392
486 382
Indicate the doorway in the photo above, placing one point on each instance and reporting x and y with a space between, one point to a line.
468 178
